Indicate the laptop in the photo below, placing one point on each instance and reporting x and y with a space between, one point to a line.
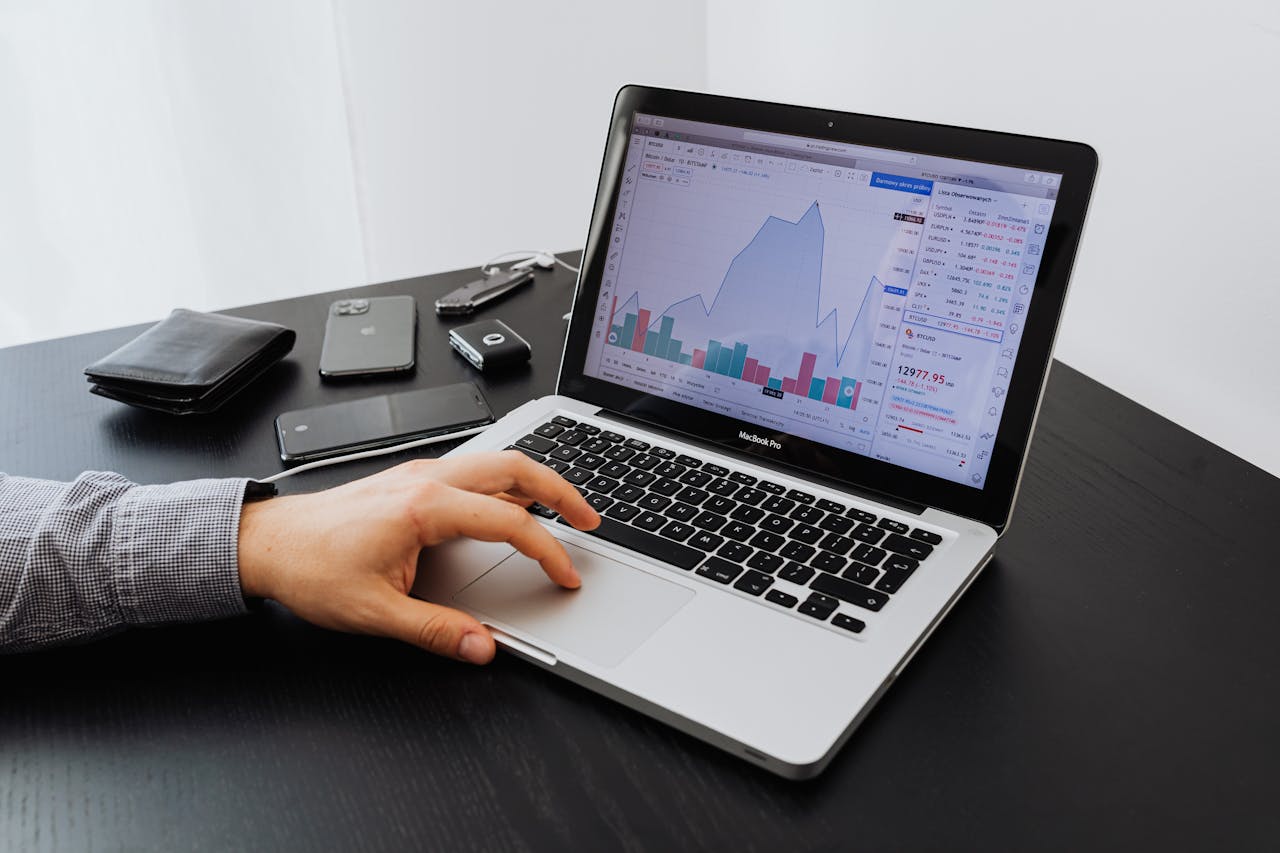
802 369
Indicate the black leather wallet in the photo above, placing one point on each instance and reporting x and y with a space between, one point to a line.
190 362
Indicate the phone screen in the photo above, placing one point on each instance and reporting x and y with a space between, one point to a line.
379 421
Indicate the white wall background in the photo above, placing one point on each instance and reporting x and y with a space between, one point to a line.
215 153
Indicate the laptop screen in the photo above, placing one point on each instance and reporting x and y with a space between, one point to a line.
868 299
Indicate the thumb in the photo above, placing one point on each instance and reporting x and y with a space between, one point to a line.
440 630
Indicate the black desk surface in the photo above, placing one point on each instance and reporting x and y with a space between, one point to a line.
1110 681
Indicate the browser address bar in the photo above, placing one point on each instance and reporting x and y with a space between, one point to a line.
816 146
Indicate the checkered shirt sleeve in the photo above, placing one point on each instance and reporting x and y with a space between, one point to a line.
83 559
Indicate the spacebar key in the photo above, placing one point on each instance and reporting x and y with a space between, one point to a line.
648 544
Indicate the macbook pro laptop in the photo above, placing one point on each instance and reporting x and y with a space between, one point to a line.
802 370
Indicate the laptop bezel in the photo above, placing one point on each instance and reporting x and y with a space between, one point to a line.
992 503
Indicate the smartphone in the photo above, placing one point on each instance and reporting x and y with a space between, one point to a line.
369 336
381 421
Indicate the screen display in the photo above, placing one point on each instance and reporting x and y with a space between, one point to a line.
868 299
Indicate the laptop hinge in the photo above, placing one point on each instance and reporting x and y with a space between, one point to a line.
828 482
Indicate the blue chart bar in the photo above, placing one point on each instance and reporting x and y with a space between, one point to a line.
664 336
650 343
775 383
712 360
738 360
685 358
847 387
615 334
815 389
628 331
673 349
724 360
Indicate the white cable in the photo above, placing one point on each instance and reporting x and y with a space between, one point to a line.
381 451
526 258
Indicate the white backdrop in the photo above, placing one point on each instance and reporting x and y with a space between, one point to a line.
209 154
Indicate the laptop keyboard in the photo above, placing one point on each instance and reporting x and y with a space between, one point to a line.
785 547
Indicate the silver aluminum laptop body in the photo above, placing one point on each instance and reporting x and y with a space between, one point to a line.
770 684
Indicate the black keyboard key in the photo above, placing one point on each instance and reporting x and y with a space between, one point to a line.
557 465
618 453
848 623
566 453
654 503
662 452
628 493
864 575
720 570
767 541
737 531
714 470
544 511
800 497
595 445
649 520
794 550
695 478
806 534
892 581
771 488
644 461
589 460
720 505
639 478
744 479
706 541
869 554
609 435
603 485
836 544
563 421
665 487
828 562
709 521
927 536
780 598
536 457
677 531
776 524
765 562
616 470
669 469
748 514
681 512
589 429
657 547
893 526
624 512
572 437
908 547
796 573
688 461
722 487
549 430
861 515
867 533
599 502
735 551
636 444
849 591
748 495
807 514
690 495
817 608
901 563
578 476
829 506
777 504
836 524
753 583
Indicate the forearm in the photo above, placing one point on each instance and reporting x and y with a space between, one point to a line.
87 558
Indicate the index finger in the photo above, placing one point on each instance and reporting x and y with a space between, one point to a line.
511 470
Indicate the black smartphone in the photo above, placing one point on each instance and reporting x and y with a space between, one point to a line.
381 421
369 336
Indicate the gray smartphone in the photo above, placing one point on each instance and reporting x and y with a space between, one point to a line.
369 336
381 421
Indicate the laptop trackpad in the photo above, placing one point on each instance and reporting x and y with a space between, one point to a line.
615 610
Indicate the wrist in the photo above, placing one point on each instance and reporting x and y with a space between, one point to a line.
256 547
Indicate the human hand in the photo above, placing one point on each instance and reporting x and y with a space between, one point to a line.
346 558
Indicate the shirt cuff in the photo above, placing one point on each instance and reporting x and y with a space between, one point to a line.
180 544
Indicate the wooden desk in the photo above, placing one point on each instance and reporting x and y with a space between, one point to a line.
1109 682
